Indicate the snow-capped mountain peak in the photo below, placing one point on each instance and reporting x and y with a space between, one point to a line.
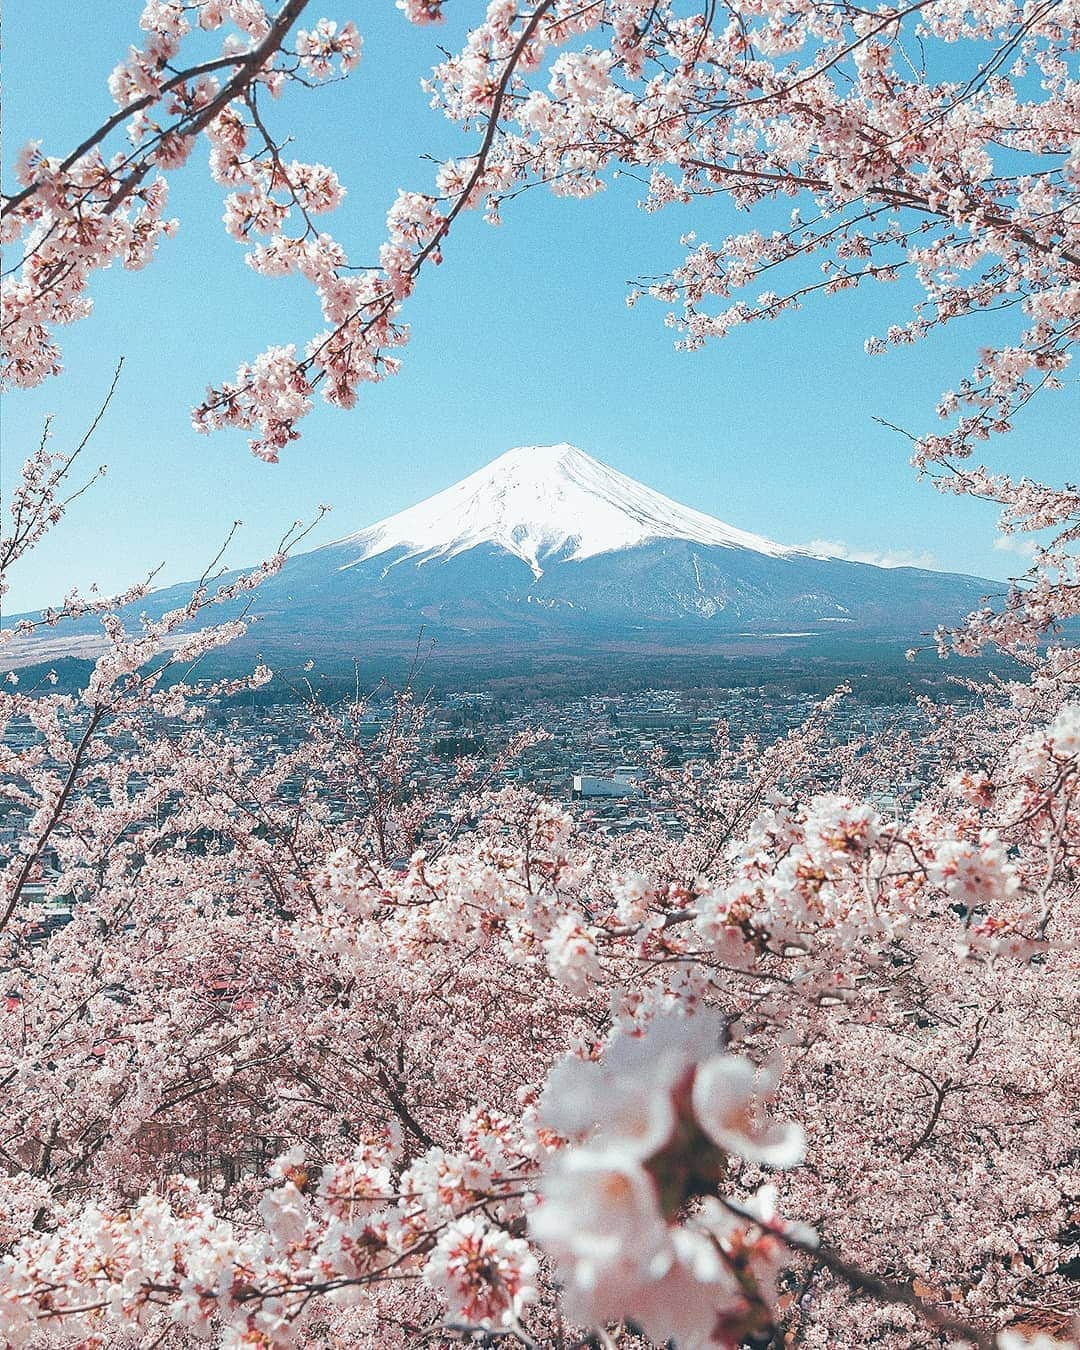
542 501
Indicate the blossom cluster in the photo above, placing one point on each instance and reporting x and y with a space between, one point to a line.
631 1213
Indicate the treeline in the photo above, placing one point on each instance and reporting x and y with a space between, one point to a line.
878 675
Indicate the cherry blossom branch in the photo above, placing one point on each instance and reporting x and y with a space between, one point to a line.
245 65
864 1282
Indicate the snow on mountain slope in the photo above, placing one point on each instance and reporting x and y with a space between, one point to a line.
539 501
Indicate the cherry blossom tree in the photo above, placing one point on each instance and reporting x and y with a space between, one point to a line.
293 1053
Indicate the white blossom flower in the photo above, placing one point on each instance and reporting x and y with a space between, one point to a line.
727 1095
973 874
598 1216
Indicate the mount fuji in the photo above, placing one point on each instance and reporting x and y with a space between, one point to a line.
546 545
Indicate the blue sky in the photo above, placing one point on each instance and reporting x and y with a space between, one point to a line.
522 336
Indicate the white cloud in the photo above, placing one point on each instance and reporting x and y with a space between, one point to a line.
1015 543
896 557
